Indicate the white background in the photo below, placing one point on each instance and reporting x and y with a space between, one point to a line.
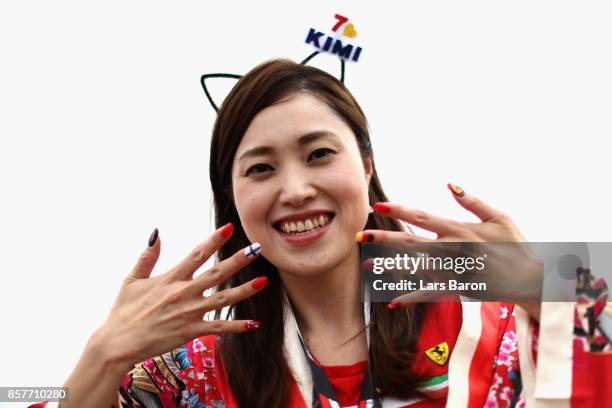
104 132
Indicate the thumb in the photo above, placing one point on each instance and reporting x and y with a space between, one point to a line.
147 260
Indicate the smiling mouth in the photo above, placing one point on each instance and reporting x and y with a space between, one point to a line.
306 225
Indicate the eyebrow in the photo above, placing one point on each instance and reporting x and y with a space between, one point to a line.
302 141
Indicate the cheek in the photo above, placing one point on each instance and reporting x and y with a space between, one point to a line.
349 180
348 188
252 205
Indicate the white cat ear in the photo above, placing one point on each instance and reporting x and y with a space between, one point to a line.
328 64
220 87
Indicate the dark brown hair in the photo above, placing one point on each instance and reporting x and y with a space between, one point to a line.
254 361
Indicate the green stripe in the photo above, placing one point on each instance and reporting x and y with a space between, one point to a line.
433 381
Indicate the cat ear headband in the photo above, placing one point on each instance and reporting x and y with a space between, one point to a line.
235 76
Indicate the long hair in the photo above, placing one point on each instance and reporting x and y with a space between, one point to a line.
257 370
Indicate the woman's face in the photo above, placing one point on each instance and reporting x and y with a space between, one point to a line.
300 185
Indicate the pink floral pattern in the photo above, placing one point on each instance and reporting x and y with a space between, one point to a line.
506 377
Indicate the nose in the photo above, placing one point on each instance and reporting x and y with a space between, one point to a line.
297 188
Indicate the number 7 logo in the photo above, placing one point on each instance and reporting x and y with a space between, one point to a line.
341 20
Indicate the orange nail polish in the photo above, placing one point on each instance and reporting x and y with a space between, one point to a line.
227 230
364 236
393 305
382 208
260 282
456 190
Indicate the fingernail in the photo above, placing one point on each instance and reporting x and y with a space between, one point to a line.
393 305
260 282
456 190
364 236
252 250
153 237
227 230
382 208
252 325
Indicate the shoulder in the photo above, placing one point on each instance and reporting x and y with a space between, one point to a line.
185 376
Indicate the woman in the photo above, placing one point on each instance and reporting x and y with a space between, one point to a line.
293 179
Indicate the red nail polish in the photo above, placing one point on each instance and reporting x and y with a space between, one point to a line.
393 305
368 265
251 325
382 208
227 230
260 282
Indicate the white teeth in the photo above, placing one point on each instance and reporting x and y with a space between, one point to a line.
304 225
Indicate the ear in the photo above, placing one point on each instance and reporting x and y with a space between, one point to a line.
368 166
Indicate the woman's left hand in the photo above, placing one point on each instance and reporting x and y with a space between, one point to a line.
507 265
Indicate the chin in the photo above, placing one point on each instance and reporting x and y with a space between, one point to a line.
312 264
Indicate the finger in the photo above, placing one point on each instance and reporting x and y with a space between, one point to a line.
148 259
225 269
419 296
200 254
421 219
230 296
474 205
389 237
218 327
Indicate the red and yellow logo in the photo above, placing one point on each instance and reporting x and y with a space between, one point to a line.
333 44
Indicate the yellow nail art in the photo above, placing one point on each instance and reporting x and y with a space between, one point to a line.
458 191
359 236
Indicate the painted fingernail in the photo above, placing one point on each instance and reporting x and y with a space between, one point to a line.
393 305
456 190
227 230
153 237
251 325
260 282
252 250
364 236
382 208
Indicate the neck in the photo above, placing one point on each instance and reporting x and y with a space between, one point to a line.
328 303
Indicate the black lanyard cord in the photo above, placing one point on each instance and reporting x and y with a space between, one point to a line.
324 395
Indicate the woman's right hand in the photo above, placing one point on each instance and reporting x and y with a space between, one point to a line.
153 315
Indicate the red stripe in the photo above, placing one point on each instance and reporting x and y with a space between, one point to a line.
324 401
481 365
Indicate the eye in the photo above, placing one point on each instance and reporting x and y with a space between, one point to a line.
258 168
320 153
